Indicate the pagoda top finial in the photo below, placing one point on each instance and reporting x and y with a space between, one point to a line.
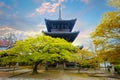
60 18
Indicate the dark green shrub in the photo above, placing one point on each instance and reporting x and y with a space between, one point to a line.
117 68
109 67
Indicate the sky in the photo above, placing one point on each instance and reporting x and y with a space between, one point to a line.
26 17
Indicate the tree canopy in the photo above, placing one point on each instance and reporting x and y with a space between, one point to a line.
41 49
114 3
106 36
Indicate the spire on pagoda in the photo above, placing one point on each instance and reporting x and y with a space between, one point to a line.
60 18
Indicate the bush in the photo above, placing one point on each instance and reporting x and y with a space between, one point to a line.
117 68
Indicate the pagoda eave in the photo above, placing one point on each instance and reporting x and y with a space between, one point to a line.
60 24
69 36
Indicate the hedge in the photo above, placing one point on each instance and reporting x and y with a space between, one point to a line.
117 68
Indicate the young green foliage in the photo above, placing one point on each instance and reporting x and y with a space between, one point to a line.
42 49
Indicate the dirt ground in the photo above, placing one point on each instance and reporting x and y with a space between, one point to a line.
4 74
59 75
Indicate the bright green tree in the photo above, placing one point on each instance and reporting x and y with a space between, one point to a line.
41 50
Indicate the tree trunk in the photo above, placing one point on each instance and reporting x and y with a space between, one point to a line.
105 65
35 68
46 66
9 65
64 65
78 68
57 65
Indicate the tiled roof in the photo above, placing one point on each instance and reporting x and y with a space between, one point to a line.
69 36
60 24
5 43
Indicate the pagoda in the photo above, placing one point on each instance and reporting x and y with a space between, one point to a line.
61 28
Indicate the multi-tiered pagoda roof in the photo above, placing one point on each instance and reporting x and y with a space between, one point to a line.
60 25
61 28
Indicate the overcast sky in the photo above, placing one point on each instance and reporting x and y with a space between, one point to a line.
26 17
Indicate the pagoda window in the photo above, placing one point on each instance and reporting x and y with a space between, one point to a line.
58 27
62 26
66 27
53 27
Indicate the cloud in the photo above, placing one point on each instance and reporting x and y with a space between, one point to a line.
41 27
14 18
85 1
38 1
6 30
2 4
83 37
78 25
1 12
17 21
84 34
48 7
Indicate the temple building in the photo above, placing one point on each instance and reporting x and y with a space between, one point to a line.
7 42
61 28
4 44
